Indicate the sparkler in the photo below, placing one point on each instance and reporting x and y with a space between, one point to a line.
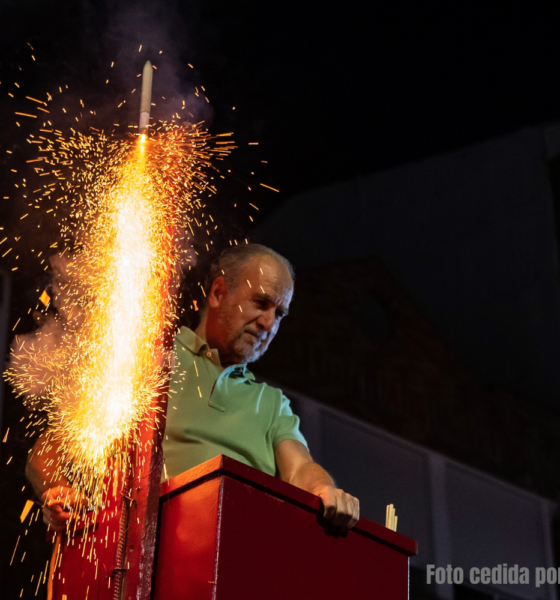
146 98
130 209
126 209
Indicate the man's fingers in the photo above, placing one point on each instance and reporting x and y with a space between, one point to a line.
60 504
346 510
340 508
57 520
355 512
53 525
352 512
329 505
65 497
54 509
54 516
330 509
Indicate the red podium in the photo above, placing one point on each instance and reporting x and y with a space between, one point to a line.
229 532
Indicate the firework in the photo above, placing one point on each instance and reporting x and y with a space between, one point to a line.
97 364
95 373
146 98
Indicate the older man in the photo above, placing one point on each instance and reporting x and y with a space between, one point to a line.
215 404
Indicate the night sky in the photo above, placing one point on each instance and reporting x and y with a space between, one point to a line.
330 91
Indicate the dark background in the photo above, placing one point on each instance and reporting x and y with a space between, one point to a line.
329 91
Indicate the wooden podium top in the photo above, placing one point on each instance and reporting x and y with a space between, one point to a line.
223 465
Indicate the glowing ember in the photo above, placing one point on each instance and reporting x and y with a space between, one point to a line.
45 298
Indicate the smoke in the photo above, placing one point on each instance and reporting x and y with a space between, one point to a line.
64 51
156 31
41 357
33 361
75 49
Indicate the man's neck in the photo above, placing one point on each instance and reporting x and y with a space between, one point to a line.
201 329
201 332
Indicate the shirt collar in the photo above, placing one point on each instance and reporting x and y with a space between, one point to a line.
191 341
195 344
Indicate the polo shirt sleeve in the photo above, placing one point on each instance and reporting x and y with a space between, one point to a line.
285 425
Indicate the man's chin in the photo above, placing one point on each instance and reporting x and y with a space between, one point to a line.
254 357
249 354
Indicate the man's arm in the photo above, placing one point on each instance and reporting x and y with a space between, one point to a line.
298 468
50 484
42 463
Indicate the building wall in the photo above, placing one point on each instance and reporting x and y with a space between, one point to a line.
459 515
355 341
469 235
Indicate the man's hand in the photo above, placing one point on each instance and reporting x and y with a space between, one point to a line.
298 468
340 508
60 505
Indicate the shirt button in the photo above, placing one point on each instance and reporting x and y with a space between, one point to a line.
209 355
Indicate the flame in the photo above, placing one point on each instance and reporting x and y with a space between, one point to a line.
116 369
130 212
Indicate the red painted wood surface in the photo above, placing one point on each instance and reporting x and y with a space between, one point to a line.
228 531
188 543
142 521
76 577
88 571
86 560
144 486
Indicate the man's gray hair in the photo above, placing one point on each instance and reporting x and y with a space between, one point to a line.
230 262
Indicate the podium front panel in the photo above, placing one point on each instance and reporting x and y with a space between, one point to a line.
228 532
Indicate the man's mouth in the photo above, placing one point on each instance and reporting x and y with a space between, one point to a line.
256 336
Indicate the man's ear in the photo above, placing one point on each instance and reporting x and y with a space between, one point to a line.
217 293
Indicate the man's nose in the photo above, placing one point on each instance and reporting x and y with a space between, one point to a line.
266 320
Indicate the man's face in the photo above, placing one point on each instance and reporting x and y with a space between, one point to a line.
242 321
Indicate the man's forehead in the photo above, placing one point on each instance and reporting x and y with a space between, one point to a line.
268 267
267 272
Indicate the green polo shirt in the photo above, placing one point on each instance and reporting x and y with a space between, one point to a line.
212 411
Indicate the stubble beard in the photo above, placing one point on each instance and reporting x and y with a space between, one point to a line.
248 353
237 346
